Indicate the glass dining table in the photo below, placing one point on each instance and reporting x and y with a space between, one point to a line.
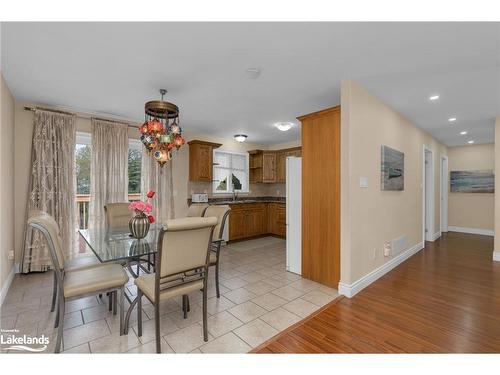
116 245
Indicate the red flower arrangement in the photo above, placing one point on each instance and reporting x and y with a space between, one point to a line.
144 208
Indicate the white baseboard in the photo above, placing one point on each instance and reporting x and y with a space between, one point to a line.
484 232
436 235
496 256
6 286
349 290
17 268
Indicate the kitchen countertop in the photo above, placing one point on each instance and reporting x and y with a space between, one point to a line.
243 200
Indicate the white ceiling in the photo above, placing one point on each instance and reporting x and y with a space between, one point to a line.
113 68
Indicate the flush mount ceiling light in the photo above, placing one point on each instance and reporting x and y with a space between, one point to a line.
463 133
452 119
253 73
240 138
284 126
434 97
470 142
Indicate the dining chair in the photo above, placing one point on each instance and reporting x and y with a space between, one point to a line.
79 263
77 283
221 212
197 209
183 260
117 215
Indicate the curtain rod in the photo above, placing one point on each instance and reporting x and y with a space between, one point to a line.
79 115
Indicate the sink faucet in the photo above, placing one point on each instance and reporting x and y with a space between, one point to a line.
235 196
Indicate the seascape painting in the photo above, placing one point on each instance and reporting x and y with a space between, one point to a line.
392 169
480 181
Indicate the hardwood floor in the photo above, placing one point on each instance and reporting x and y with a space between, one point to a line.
446 298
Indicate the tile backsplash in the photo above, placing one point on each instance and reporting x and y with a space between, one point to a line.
256 190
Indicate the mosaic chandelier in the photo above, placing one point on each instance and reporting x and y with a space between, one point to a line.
161 132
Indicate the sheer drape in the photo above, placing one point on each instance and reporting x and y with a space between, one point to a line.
52 185
154 177
109 167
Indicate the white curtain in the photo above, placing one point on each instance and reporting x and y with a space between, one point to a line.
109 167
158 179
52 185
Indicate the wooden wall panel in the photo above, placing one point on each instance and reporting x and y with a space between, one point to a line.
321 196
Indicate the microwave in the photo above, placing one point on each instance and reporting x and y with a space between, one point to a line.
199 198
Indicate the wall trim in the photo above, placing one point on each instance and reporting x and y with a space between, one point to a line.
436 235
6 286
496 256
350 290
484 232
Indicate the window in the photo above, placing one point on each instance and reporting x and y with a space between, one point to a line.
230 172
134 167
83 159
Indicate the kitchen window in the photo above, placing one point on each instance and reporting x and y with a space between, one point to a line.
230 172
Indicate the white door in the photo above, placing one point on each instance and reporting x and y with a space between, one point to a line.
444 194
294 214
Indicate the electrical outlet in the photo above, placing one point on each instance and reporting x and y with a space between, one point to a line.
387 248
374 253
11 255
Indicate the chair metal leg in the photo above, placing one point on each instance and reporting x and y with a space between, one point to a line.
54 294
157 327
217 278
184 305
110 301
205 328
122 308
139 312
115 302
61 324
56 323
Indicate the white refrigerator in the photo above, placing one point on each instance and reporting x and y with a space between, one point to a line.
294 214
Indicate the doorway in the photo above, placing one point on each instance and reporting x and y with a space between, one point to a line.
428 195
443 208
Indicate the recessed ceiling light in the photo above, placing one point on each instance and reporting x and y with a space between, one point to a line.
452 119
463 133
470 142
253 73
434 97
240 138
284 126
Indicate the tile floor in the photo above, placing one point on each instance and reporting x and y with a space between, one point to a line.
258 300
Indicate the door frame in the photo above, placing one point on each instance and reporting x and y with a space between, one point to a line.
430 235
443 192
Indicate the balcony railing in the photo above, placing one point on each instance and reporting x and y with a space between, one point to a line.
82 203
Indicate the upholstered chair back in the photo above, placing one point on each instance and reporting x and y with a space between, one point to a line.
184 244
50 229
117 215
197 209
221 212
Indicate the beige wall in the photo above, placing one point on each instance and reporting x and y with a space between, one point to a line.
369 216
7 181
471 210
496 246
180 165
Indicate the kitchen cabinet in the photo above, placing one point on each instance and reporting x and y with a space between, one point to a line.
270 166
256 219
321 222
201 160
277 219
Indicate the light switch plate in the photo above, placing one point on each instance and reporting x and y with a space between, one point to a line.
363 182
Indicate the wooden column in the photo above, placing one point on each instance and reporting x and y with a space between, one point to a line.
321 196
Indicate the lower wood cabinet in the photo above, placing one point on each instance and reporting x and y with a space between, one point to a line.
257 219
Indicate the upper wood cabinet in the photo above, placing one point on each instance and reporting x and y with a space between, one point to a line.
270 166
321 183
201 160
